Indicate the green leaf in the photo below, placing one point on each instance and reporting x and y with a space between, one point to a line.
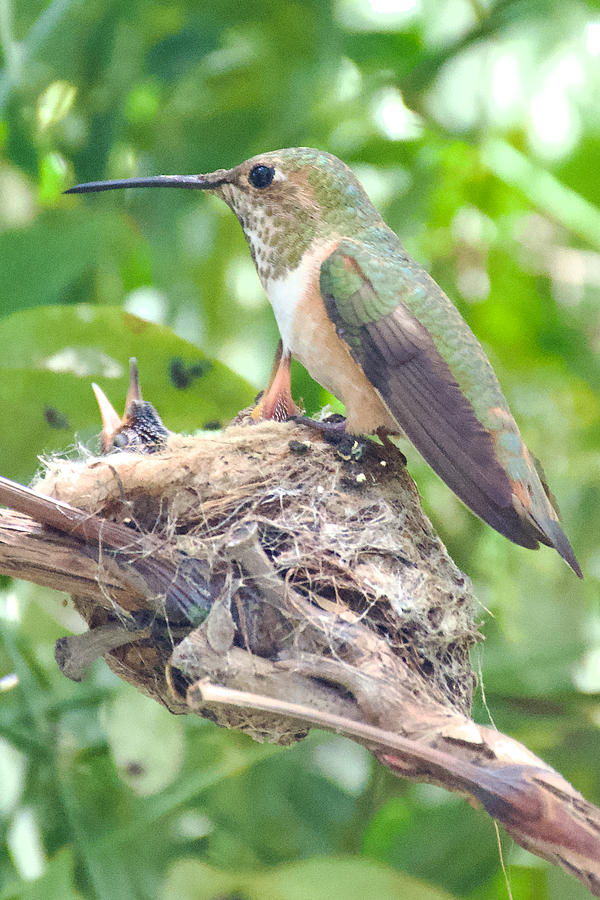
299 816
400 835
39 264
146 741
325 878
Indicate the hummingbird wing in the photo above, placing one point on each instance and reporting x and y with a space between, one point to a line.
370 305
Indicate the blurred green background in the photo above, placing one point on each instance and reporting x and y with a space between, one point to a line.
475 127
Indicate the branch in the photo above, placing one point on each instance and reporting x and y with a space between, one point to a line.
133 565
537 806
30 551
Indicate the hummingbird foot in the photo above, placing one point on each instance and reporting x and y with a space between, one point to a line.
350 448
333 428
276 402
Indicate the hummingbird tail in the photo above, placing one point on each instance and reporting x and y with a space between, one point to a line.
554 536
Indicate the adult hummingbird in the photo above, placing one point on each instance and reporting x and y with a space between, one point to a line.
373 328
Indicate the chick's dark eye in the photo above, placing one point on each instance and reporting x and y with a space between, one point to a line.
261 176
120 440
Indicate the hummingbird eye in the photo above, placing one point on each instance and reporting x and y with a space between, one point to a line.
261 176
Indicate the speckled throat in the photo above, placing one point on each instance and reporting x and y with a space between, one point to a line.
277 235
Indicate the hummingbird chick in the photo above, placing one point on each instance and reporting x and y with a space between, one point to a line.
373 328
140 430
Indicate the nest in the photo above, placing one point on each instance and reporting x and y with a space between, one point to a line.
294 573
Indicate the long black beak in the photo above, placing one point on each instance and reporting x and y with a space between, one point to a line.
192 182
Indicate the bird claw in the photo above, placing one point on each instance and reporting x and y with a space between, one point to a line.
333 428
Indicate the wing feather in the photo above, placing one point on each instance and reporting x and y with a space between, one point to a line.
401 360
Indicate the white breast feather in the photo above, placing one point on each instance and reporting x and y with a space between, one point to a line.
285 293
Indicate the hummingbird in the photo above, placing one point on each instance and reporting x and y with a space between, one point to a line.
140 429
373 328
